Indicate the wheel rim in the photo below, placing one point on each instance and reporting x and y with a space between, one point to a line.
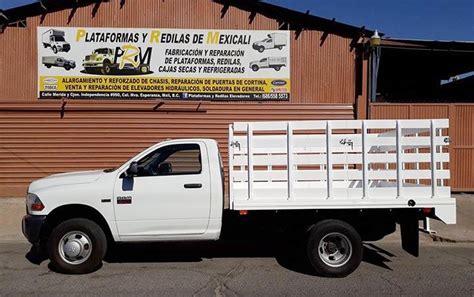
335 249
75 247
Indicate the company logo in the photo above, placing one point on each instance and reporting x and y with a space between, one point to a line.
131 54
50 80
50 84
278 82
124 199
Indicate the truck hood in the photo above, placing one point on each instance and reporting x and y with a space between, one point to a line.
62 179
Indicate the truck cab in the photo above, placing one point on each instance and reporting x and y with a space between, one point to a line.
50 61
273 41
55 40
103 60
171 191
270 62
100 59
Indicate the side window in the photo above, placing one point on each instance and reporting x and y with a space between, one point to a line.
174 159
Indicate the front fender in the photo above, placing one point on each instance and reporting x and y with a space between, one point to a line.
97 195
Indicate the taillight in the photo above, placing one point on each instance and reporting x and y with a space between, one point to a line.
33 202
427 211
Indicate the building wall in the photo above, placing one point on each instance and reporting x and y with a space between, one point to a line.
41 137
461 133
319 73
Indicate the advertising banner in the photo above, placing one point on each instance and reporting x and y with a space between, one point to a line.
185 64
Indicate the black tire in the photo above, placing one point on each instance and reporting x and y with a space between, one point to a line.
98 245
67 67
277 68
261 49
55 50
328 229
144 69
280 47
254 67
106 67
48 66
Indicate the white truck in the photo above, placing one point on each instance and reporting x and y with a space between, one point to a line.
328 184
55 40
274 40
270 62
102 61
50 61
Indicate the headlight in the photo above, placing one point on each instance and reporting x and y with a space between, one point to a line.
99 59
33 202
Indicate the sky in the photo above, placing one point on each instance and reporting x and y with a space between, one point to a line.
411 19
417 19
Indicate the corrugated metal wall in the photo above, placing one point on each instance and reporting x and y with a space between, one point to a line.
319 73
38 138
461 133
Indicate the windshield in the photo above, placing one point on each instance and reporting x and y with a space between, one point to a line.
59 38
102 51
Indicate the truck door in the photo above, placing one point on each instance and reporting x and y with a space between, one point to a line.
169 196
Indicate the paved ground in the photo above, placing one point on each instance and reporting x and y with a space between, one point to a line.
248 269
245 268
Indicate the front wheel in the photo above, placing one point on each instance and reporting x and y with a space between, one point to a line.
106 67
55 50
77 246
334 248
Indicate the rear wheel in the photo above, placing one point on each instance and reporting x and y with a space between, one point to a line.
334 248
77 246
277 68
144 69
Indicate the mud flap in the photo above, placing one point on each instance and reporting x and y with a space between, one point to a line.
410 233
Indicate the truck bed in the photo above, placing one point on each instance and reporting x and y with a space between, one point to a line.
353 164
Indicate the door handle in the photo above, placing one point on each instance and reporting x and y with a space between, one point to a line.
192 186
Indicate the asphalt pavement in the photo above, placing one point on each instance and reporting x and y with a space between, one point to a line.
243 269
445 266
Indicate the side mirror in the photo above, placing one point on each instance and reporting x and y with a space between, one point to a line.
132 169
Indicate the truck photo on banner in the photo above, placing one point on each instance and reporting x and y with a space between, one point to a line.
115 63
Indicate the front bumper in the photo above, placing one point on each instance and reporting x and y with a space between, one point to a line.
92 64
31 226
